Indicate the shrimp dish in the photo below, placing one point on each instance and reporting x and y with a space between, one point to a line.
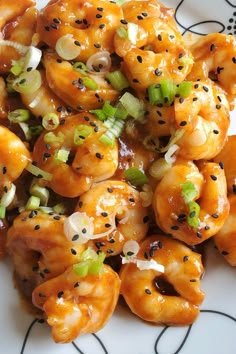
115 161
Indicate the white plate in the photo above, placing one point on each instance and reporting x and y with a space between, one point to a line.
212 333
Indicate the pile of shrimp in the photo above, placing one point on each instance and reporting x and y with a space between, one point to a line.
105 191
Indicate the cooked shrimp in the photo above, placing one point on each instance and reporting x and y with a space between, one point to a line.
17 23
204 117
76 305
156 51
217 54
172 298
44 101
3 99
117 214
91 25
69 84
92 159
173 213
39 248
225 239
14 157
228 159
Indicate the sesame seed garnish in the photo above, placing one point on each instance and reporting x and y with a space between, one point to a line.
97 45
110 251
159 37
157 72
199 234
99 156
219 69
221 164
193 280
212 47
46 271
186 258
140 59
54 26
110 190
213 177
139 17
196 86
123 21
224 253
4 170
60 294
145 219
207 227
37 227
180 67
75 237
107 225
33 213
205 88
77 284
47 28
234 188
100 244
215 131
102 26
161 121
104 213
148 291
77 43
215 215
183 123
145 255
175 227
41 295
234 60
98 15
181 100
73 251
218 106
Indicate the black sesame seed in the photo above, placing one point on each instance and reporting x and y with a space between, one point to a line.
221 164
123 21
196 86
234 188
77 284
102 26
193 280
110 190
205 88
234 60
218 106
46 271
224 253
207 227
84 230
97 45
107 225
215 131
41 295
175 227
37 227
145 219
213 177
54 26
73 251
199 234
75 237
212 47
4 170
148 291
104 213
215 215
183 123
98 15
186 258
60 294
110 251
140 59
161 121
47 28
159 37
99 156
181 100
77 43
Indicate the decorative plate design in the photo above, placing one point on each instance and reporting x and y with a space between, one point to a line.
212 333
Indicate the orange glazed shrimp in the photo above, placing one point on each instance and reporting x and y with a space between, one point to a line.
39 249
204 118
225 239
171 298
17 23
69 84
14 157
117 215
76 305
177 216
44 101
92 159
228 158
217 54
3 99
92 25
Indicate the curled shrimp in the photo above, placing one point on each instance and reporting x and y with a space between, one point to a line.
76 305
14 157
173 213
90 24
17 23
215 53
228 159
92 160
171 298
204 118
39 248
69 84
225 239
158 48
44 101
117 214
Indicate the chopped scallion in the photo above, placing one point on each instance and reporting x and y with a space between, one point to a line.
133 105
117 80
90 83
108 109
122 32
38 172
155 94
135 176
61 155
184 88
19 115
50 121
32 203
81 132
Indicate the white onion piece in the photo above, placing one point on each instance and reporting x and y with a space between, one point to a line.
66 47
22 49
25 127
144 265
78 222
32 58
169 155
8 197
132 32
131 246
101 61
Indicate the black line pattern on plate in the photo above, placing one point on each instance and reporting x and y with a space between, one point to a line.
229 28
163 333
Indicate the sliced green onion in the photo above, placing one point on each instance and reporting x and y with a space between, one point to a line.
19 115
59 208
35 130
32 203
107 139
17 67
81 269
61 155
159 168
90 83
188 191
135 176
99 114
121 112
108 109
122 32
168 90
67 48
109 122
194 210
133 105
96 266
186 60
155 94
91 263
115 129
184 88
81 67
53 139
50 121
2 212
41 192
117 80
81 132
38 172
27 82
